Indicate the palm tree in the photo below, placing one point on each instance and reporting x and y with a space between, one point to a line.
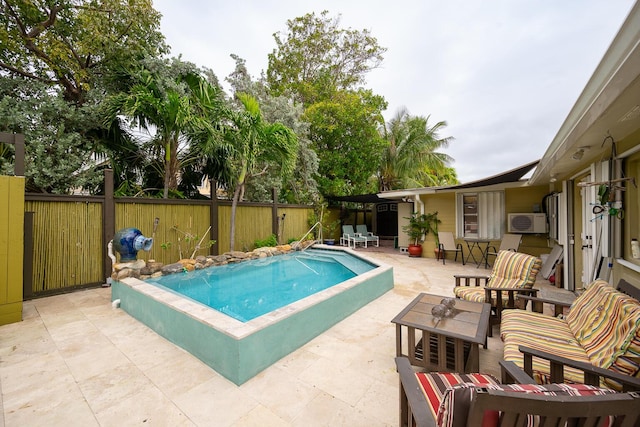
175 110
255 141
410 159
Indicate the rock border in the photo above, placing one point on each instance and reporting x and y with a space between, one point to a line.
141 269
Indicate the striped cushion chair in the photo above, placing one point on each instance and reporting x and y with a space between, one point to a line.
602 329
513 273
467 400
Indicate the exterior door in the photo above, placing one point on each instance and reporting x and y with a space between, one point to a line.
588 234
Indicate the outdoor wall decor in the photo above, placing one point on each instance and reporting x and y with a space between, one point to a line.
128 241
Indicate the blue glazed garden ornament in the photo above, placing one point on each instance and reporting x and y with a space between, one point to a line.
128 241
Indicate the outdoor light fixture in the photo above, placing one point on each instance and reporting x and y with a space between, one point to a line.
578 154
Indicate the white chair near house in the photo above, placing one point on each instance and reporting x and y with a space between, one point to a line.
448 244
362 230
509 242
349 236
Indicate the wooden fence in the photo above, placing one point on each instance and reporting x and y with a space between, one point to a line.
66 236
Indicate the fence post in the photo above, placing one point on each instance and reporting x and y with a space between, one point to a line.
19 166
27 266
213 218
17 139
274 215
108 220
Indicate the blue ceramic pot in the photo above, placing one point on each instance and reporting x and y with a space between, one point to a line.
128 241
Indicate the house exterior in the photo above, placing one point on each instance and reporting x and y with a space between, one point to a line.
584 187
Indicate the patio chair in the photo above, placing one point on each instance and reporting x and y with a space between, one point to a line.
450 399
362 230
513 273
509 242
447 244
349 235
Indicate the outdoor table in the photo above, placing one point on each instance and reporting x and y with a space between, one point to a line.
483 247
442 344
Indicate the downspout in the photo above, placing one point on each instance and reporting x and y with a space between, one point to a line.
417 201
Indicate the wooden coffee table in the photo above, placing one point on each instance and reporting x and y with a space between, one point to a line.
451 343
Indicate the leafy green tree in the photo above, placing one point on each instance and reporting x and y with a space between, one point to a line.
175 105
344 131
411 158
323 66
300 186
253 140
60 152
317 57
68 44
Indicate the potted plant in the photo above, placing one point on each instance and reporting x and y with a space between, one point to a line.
420 225
329 230
416 231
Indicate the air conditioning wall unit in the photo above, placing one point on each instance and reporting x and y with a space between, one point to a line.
535 223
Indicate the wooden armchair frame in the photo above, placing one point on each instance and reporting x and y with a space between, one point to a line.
592 374
558 307
495 296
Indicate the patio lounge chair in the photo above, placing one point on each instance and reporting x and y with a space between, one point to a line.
349 236
509 242
447 244
362 230
449 399
513 273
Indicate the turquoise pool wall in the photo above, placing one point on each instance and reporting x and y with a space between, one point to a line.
239 358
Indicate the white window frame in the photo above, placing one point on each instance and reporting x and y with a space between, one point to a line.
491 214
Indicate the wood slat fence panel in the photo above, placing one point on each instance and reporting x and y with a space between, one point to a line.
179 225
67 239
68 231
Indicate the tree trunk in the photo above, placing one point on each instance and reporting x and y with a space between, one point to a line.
234 205
170 165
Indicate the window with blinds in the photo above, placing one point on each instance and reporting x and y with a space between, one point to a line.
480 215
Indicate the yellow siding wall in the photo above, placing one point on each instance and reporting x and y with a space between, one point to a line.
522 200
11 248
516 200
445 205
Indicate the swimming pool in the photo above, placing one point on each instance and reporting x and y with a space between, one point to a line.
239 350
248 290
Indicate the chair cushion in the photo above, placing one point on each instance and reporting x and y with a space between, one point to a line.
611 338
536 325
570 350
607 325
456 402
478 294
514 270
469 293
628 363
588 308
435 384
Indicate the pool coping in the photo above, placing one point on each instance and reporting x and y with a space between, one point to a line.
240 350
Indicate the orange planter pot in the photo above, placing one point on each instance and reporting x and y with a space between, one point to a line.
415 250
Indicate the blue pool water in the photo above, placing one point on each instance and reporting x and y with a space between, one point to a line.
250 289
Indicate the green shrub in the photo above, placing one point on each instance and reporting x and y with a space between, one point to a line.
270 241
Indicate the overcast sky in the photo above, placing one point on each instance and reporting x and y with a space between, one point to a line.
503 74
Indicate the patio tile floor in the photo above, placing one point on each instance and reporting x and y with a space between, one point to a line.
76 361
